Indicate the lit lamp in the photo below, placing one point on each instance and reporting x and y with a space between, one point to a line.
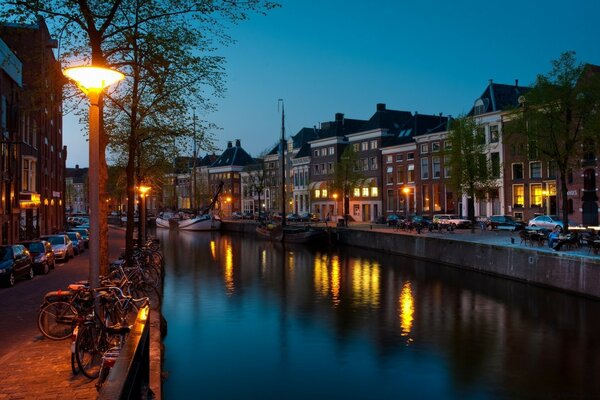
545 198
406 192
335 197
92 81
143 190
228 201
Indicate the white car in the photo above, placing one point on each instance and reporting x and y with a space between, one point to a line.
62 246
452 220
546 221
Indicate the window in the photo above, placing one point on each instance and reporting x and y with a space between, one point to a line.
330 168
324 193
518 196
494 134
316 153
495 160
424 148
365 191
480 135
437 197
533 149
373 162
426 199
374 191
356 192
374 144
364 146
517 171
535 195
447 145
435 147
365 164
316 170
317 193
399 157
355 147
552 170
411 173
447 170
410 156
436 167
388 159
28 177
535 169
389 176
400 174
425 168
331 150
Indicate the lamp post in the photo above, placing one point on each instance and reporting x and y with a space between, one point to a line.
92 81
346 162
143 191
406 192
335 197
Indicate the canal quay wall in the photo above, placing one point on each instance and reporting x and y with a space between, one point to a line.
487 252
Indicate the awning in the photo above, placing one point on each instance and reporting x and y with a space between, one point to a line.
317 185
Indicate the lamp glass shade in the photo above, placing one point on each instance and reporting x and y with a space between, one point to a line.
93 78
143 189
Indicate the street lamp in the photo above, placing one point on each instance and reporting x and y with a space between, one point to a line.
406 192
143 190
92 81
335 197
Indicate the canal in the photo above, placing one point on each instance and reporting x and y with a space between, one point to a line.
250 319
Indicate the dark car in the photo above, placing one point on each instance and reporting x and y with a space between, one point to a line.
42 255
292 217
78 242
15 262
423 221
85 235
504 222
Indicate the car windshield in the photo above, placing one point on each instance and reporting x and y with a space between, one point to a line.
55 239
5 253
35 247
72 235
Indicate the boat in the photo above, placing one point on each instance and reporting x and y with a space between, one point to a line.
281 232
202 222
186 220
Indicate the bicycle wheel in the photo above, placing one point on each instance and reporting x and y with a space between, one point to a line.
56 320
89 348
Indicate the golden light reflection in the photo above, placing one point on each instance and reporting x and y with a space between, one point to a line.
406 304
213 250
228 273
365 283
263 261
321 275
335 280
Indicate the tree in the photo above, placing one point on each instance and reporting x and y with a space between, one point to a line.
560 117
472 174
347 175
154 41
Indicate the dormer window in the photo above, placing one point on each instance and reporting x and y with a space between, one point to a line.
479 107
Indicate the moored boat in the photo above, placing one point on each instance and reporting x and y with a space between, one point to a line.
205 222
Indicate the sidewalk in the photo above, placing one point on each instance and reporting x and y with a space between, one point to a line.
39 368
497 238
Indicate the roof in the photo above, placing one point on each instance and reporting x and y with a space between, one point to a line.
79 175
391 120
498 97
233 155
304 151
304 136
341 126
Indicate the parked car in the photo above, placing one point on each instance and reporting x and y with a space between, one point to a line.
247 215
504 222
85 235
15 262
423 221
78 242
392 220
454 221
308 217
236 215
62 246
42 255
293 217
546 221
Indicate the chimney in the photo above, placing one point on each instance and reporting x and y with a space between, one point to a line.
516 82
490 81
76 166
237 143
339 117
380 106
229 144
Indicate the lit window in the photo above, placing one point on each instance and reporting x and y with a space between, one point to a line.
317 193
374 191
518 196
365 192
373 144
535 195
324 193
356 192
364 146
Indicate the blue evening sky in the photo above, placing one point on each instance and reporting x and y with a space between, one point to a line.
329 56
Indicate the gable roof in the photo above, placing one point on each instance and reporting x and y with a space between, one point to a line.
390 120
304 136
341 126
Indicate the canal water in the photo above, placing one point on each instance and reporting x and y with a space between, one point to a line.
250 319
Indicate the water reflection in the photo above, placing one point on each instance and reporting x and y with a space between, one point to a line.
290 322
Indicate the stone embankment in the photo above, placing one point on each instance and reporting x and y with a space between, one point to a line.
497 253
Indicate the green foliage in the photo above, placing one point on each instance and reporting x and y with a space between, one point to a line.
472 172
347 173
560 117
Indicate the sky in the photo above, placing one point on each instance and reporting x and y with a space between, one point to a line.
328 56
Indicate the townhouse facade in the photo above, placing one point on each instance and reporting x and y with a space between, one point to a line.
32 132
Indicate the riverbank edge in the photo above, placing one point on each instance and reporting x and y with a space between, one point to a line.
572 273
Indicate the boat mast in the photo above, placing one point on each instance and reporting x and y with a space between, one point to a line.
193 187
282 158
